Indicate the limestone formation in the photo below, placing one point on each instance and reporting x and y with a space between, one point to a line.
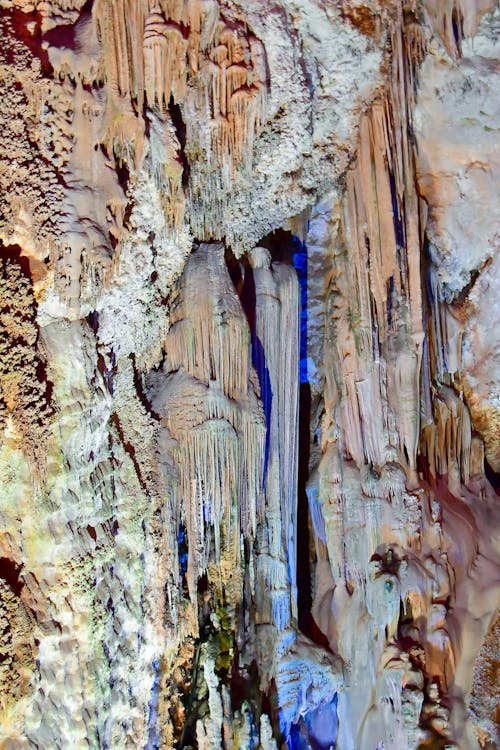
249 374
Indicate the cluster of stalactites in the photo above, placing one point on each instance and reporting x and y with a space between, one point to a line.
455 20
447 440
155 50
235 78
140 36
212 412
209 336
382 352
381 206
220 453
448 443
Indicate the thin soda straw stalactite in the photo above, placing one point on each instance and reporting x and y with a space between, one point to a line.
210 455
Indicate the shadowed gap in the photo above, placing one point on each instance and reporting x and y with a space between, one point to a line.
304 588
175 113
69 36
10 573
492 476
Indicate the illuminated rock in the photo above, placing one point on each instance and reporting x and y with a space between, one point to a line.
249 400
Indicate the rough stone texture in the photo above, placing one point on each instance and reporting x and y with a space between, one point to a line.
249 400
458 106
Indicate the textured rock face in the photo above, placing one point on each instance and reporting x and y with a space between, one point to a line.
249 366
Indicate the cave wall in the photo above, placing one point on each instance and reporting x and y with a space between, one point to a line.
249 400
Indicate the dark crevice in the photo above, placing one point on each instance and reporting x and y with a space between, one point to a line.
462 297
93 320
175 113
304 592
42 377
242 277
14 254
183 553
128 447
10 572
457 24
306 621
141 392
492 476
92 532
123 174
398 224
390 294
66 36
282 245
236 270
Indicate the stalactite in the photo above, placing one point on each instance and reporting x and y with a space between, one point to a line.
455 20
447 442
211 411
277 320
164 60
167 168
395 405
385 308
205 343
153 53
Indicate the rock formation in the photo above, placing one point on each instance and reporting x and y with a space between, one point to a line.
249 374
